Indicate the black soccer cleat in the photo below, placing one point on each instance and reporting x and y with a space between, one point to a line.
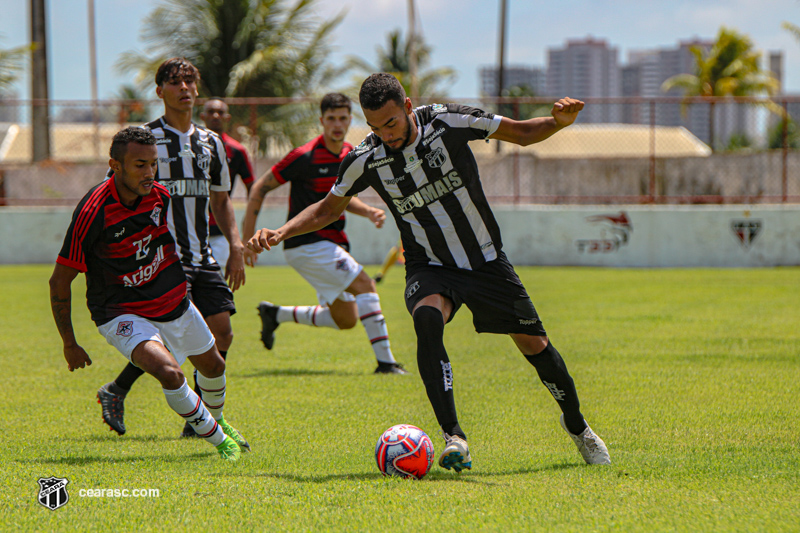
390 368
378 277
188 431
269 323
113 408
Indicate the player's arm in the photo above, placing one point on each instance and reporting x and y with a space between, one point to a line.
61 304
534 130
314 217
357 207
222 207
255 199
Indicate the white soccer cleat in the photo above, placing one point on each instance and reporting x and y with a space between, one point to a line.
592 447
455 454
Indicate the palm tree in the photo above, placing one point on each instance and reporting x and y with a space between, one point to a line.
729 68
395 59
11 65
253 48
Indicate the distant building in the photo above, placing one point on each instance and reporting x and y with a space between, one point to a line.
586 68
534 78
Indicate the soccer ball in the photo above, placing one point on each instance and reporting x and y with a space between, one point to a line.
404 451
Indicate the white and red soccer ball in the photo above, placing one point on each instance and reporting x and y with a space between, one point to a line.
404 451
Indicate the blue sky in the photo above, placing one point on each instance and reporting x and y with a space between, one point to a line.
462 37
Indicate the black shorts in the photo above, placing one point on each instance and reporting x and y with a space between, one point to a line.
494 293
208 290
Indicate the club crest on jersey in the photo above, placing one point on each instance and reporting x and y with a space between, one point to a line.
341 264
187 151
155 216
436 158
125 328
53 492
203 160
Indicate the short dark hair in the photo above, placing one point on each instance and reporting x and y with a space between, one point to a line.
131 134
379 89
177 67
335 101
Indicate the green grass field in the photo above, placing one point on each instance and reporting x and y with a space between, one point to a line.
690 376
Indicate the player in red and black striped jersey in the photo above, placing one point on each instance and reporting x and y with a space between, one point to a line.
215 115
345 292
136 288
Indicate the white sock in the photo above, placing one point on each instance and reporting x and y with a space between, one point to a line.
369 311
186 403
213 393
310 315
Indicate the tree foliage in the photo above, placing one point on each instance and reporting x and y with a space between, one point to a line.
395 59
12 63
243 48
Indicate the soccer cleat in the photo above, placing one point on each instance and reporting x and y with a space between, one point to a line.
113 408
390 368
233 433
592 447
229 450
188 431
269 323
455 454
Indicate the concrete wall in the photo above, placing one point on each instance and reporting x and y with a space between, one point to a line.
615 236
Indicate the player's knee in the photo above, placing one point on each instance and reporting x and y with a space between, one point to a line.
346 322
224 339
215 367
428 323
171 377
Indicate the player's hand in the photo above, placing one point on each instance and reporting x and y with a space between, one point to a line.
264 239
378 217
566 110
250 257
76 357
234 270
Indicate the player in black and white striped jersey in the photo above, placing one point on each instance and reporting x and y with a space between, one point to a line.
419 162
192 165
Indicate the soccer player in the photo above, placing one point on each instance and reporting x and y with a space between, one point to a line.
192 165
419 162
136 288
345 292
215 115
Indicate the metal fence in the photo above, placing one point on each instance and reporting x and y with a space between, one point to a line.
632 150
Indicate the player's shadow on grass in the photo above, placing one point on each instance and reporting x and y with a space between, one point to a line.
117 459
295 372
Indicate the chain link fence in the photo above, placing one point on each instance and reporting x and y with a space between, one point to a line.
633 150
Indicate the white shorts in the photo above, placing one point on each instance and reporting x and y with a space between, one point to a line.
220 249
327 267
185 336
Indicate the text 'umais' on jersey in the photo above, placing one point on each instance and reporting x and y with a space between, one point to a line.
312 170
432 187
128 255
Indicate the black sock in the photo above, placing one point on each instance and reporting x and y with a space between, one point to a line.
555 376
224 354
128 376
434 367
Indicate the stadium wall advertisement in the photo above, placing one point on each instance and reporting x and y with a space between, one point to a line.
611 236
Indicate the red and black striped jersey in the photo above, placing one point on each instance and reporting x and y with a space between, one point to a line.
127 254
238 165
312 170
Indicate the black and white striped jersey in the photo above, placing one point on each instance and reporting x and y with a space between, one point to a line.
432 187
190 165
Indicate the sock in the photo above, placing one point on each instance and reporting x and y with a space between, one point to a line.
554 375
127 377
310 315
224 354
212 391
434 367
187 404
369 311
